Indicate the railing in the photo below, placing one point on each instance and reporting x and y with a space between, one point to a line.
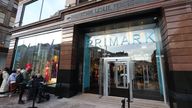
123 101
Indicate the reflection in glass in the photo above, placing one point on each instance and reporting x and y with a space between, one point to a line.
121 75
138 44
146 76
41 52
42 9
51 8
32 12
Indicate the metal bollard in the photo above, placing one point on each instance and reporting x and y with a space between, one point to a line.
128 101
34 86
128 96
123 103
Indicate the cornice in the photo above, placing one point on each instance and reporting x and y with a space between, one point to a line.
88 5
62 13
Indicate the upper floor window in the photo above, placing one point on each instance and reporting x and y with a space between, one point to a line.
41 9
11 22
2 16
84 1
81 1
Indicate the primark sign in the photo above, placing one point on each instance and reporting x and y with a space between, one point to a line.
123 39
105 9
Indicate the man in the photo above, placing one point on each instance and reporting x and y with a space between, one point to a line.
27 75
21 85
23 79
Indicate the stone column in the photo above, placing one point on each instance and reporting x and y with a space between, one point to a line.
67 79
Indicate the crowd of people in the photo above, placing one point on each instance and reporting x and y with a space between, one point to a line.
19 81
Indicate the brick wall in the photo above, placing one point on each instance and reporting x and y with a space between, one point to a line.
176 31
67 78
66 49
178 37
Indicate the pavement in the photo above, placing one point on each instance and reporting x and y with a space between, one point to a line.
81 101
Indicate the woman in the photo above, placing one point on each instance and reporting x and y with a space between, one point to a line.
4 86
12 82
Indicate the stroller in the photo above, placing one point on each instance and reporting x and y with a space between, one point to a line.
42 94
37 90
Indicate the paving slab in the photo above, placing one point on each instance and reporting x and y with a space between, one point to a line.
82 101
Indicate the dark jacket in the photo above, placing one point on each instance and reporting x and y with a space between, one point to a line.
19 79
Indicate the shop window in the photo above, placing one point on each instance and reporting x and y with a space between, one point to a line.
41 9
138 43
2 16
40 53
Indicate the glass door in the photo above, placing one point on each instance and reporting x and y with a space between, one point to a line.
121 75
114 76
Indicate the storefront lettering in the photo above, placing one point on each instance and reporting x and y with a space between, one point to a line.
113 43
136 38
103 9
112 7
122 39
125 40
97 42
149 37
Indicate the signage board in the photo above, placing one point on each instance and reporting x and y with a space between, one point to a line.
105 9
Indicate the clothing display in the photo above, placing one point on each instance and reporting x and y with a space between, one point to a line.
5 85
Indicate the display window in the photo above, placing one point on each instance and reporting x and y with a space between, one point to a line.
139 44
40 53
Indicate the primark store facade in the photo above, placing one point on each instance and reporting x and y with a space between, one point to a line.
106 47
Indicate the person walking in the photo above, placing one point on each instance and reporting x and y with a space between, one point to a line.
21 85
4 86
22 80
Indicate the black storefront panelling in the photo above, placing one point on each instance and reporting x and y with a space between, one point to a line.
181 89
4 50
67 83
